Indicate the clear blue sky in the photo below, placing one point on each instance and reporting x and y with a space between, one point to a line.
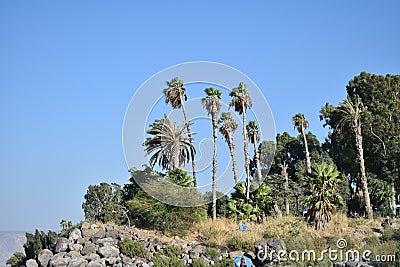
68 70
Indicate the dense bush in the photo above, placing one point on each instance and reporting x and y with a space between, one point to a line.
237 243
163 261
17 259
39 241
132 248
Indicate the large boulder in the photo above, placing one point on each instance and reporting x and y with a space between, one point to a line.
58 261
75 247
61 245
77 262
97 263
89 248
109 251
31 263
197 251
269 250
105 241
85 225
44 257
92 257
75 234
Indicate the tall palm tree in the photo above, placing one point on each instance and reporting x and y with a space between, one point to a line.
175 94
169 144
254 137
352 111
321 198
213 105
228 126
241 100
300 123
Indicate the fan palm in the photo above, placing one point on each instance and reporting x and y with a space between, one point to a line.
241 100
175 94
169 144
228 126
300 123
254 137
213 105
352 111
321 199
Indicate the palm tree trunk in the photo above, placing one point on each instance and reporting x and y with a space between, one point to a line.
191 141
246 152
360 153
231 146
214 185
175 158
277 210
308 160
257 160
285 174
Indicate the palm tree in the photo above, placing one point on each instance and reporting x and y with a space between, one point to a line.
352 115
169 144
175 94
321 199
254 137
241 100
64 224
213 105
228 126
300 122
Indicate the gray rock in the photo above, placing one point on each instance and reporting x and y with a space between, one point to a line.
59 262
118 264
105 241
73 254
31 263
109 228
234 254
77 262
97 263
61 245
91 257
75 234
126 259
109 251
270 250
112 260
85 225
44 257
99 234
89 248
145 265
75 247
197 251
88 233
112 234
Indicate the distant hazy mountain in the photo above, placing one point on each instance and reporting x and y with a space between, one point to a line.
10 242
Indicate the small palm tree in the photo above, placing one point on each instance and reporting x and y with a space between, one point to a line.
241 100
254 137
169 144
352 111
175 94
228 126
321 199
213 105
300 123
64 224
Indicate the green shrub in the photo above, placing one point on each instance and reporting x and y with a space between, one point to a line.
236 243
199 263
160 261
213 252
132 248
173 251
17 259
224 262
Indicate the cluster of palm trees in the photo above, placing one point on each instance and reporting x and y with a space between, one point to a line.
170 145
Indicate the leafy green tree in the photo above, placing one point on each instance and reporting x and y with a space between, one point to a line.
241 100
104 203
176 217
16 260
213 105
321 199
254 137
175 94
37 242
228 126
300 123
169 144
